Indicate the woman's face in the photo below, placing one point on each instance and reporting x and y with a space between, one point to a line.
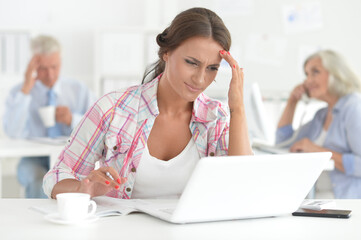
192 66
316 83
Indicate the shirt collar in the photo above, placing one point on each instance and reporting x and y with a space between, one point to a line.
56 87
148 99
206 109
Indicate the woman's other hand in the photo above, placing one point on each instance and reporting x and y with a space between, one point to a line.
97 183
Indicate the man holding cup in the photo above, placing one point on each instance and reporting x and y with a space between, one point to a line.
44 105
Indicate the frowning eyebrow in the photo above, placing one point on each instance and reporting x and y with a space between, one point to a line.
198 62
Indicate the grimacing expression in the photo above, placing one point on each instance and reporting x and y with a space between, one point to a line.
49 68
192 66
317 81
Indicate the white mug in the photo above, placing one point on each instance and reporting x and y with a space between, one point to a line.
75 206
47 115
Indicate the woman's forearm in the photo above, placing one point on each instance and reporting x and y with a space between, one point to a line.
239 143
66 185
288 113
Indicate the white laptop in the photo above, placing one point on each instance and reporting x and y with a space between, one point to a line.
239 187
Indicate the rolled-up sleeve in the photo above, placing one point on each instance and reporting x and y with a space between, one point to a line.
16 115
348 163
84 147
284 133
307 130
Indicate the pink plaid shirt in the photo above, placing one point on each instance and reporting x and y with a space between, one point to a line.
115 130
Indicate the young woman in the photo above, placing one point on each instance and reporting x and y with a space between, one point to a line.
335 128
148 138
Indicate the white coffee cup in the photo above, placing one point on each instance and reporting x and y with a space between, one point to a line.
47 115
75 206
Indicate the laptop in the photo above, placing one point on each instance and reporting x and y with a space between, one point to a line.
242 187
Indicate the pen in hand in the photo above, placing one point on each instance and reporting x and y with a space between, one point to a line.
111 177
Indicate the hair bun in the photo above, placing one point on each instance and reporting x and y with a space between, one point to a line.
161 37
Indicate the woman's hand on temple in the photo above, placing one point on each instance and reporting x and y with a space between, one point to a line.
235 93
239 143
97 183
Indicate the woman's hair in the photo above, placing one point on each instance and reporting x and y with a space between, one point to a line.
193 22
44 45
342 79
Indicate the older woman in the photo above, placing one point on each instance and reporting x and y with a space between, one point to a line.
335 128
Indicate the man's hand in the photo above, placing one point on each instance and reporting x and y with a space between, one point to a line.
30 75
63 115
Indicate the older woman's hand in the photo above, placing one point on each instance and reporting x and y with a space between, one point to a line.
305 145
297 93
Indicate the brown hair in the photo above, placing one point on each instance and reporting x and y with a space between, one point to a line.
189 23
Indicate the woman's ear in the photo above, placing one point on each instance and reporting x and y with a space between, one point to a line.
165 57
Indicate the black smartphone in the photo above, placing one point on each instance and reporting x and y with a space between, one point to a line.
331 213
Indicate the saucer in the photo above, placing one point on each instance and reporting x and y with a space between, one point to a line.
55 218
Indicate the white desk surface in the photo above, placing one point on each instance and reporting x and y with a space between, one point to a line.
26 148
20 148
17 221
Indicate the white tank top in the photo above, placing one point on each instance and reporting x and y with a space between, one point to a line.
164 179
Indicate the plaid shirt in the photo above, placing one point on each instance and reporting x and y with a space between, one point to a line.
115 130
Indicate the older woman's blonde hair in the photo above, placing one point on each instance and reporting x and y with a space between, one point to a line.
342 79
43 44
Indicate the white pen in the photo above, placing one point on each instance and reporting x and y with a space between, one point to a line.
110 176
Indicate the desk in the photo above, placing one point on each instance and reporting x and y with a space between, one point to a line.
17 221
26 148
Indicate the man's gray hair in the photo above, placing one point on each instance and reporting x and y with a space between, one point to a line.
43 44
342 79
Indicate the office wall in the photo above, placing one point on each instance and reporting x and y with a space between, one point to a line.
74 22
270 53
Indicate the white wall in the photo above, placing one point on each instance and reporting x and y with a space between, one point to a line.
75 24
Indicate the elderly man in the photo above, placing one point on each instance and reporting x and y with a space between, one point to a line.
42 86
